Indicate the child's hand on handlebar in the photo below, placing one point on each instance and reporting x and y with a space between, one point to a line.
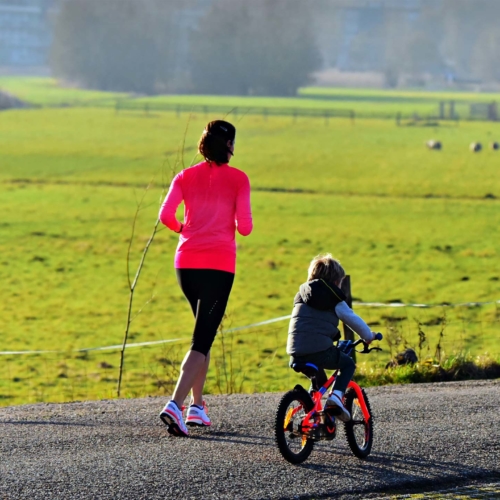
376 336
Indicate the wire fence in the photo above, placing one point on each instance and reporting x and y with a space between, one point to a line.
263 111
250 358
453 111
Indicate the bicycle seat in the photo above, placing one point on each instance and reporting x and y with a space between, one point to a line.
308 369
312 372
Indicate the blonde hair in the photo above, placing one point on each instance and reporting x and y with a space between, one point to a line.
324 266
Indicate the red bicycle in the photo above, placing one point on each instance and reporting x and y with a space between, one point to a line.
301 419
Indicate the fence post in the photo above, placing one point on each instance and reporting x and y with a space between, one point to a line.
117 106
493 112
348 333
353 116
398 119
178 110
441 110
326 117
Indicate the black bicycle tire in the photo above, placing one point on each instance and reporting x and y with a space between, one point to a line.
364 451
288 398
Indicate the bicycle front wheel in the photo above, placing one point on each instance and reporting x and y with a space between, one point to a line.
292 443
358 431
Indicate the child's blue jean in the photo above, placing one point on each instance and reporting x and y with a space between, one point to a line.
331 359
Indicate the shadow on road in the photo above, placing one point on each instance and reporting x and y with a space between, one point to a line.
403 469
233 437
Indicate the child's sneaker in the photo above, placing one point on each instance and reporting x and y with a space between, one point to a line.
171 416
335 406
197 415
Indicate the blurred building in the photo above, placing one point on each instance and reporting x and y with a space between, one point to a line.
25 33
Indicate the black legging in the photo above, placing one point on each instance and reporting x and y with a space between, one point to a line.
207 290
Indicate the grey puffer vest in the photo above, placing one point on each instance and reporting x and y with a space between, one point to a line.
314 324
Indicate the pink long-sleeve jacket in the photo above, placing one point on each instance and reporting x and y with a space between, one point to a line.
216 204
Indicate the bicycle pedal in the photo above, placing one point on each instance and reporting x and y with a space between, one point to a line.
333 410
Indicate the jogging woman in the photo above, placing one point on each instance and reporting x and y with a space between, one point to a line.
216 204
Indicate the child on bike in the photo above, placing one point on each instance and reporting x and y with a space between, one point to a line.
318 307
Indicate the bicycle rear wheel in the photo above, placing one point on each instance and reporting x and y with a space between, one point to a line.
358 431
293 445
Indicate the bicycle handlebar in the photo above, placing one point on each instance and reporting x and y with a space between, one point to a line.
366 349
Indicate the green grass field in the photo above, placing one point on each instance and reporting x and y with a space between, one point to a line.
364 102
408 224
44 91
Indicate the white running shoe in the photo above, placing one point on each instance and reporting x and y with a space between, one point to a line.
171 416
335 406
196 415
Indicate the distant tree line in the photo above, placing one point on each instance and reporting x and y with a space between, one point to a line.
456 37
268 47
120 45
260 47
471 38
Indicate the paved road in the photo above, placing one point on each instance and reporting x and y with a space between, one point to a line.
427 437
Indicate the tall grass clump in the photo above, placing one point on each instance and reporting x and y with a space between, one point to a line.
432 364
455 367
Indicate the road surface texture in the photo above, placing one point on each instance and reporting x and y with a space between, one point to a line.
428 438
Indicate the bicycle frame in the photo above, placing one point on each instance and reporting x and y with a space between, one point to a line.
309 423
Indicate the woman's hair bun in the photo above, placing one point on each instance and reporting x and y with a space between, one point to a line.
213 141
